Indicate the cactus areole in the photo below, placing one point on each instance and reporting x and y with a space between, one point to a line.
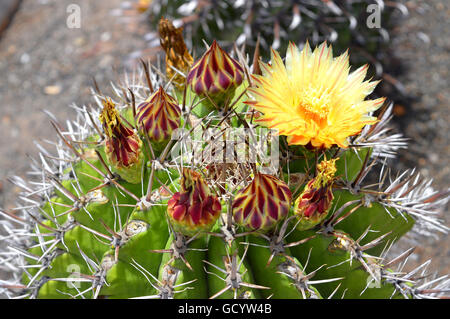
123 209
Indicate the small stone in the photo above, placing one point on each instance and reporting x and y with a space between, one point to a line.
6 119
434 158
25 58
106 61
80 41
105 36
399 110
12 49
52 89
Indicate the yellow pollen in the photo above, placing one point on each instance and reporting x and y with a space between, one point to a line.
314 104
326 170
109 116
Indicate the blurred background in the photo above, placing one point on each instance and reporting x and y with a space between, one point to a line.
45 64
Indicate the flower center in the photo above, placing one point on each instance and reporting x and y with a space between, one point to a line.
314 104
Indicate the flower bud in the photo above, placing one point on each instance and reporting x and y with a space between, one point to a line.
193 209
313 204
158 117
123 145
216 74
262 204
177 54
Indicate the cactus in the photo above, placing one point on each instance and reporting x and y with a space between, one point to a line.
119 210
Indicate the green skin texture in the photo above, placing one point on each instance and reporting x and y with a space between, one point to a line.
125 281
194 257
268 276
218 249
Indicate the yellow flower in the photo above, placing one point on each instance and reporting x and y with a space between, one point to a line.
313 98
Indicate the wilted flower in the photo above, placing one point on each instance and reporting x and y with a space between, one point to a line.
158 116
313 204
216 74
123 145
193 209
263 203
314 99
177 54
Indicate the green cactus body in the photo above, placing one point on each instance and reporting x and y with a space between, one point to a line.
281 286
190 227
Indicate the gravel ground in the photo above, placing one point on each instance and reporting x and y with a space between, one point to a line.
422 42
46 65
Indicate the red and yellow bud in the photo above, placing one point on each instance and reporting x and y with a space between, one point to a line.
262 204
158 117
313 204
177 54
193 209
123 145
216 74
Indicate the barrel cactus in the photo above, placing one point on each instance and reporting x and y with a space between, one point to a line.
245 180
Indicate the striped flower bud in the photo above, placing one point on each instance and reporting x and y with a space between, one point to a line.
123 145
193 209
312 206
216 74
158 117
262 204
